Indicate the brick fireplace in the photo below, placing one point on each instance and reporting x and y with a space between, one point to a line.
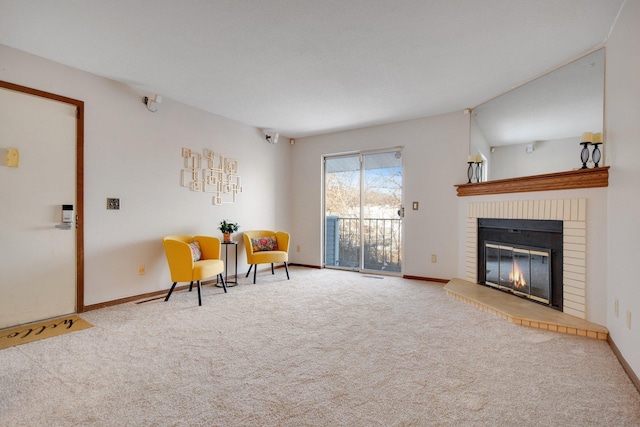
572 213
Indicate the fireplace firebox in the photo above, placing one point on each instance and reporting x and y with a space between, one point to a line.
523 257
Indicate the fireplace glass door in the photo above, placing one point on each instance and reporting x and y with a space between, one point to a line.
521 270
540 275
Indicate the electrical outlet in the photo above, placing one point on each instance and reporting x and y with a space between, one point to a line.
628 319
297 248
434 258
141 270
113 203
616 307
415 206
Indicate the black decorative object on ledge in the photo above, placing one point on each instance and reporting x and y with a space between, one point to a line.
596 155
470 172
587 138
584 154
479 171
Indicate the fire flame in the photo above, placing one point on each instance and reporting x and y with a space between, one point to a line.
517 277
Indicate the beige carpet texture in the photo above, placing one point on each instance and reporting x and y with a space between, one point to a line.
327 348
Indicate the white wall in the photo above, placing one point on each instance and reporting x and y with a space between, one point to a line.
135 155
622 105
435 153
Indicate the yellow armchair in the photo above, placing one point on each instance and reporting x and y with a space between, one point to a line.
182 266
259 247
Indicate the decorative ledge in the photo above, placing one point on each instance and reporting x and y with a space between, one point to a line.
580 178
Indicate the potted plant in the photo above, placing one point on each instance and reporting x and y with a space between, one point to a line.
227 228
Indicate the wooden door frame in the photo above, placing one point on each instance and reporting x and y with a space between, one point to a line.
79 179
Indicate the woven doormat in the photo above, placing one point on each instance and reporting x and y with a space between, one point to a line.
40 330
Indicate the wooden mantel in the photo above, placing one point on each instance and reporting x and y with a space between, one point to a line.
580 178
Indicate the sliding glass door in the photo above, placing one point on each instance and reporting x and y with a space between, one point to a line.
363 211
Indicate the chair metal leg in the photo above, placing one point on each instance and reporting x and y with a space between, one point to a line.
255 270
249 271
191 286
287 268
224 285
199 294
170 291
272 272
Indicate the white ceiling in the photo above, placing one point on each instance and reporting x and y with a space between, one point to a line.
306 67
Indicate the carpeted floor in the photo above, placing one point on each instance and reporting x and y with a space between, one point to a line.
327 348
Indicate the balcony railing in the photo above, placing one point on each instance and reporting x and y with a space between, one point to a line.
381 243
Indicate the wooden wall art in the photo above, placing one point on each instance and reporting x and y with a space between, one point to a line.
211 172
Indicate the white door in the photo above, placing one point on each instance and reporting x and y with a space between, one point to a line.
37 260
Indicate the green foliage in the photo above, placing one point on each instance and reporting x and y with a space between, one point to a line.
228 227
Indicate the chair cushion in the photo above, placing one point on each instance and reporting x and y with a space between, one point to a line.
264 244
267 257
196 253
206 268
